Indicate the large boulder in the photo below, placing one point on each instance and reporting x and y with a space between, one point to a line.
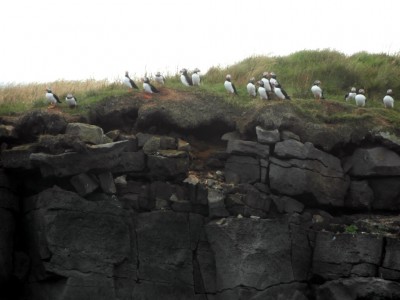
373 162
87 133
301 170
86 244
343 255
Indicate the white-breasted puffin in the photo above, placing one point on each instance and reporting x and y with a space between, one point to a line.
317 90
360 98
148 87
185 78
262 90
160 79
267 84
277 88
196 77
251 88
52 99
229 86
388 100
351 95
129 82
272 80
71 101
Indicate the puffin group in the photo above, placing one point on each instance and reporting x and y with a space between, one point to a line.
353 95
52 99
267 88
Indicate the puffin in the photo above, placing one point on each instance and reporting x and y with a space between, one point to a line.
277 88
251 88
317 91
267 84
262 90
351 95
71 101
52 99
148 87
160 79
273 81
388 100
229 86
196 77
185 79
129 82
360 98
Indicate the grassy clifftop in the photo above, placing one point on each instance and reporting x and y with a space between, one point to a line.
338 72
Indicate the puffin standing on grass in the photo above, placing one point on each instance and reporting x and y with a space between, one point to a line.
229 86
52 99
360 98
196 77
265 80
277 88
71 101
129 82
317 91
148 87
160 79
262 90
251 88
351 95
388 100
185 79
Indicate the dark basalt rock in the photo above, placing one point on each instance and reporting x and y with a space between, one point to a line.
342 255
359 288
37 122
152 216
86 245
373 162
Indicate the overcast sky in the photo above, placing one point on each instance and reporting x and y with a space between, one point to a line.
48 40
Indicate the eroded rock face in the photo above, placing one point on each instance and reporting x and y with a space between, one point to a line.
254 253
301 170
342 255
86 245
139 218
165 247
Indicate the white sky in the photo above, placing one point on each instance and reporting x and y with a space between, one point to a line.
48 40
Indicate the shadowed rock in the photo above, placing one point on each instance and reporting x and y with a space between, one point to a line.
35 123
373 162
98 158
358 288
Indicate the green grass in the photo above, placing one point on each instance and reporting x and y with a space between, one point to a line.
338 72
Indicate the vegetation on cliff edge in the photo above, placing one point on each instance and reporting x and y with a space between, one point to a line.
374 72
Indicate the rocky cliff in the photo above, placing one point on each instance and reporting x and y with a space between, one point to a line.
191 198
